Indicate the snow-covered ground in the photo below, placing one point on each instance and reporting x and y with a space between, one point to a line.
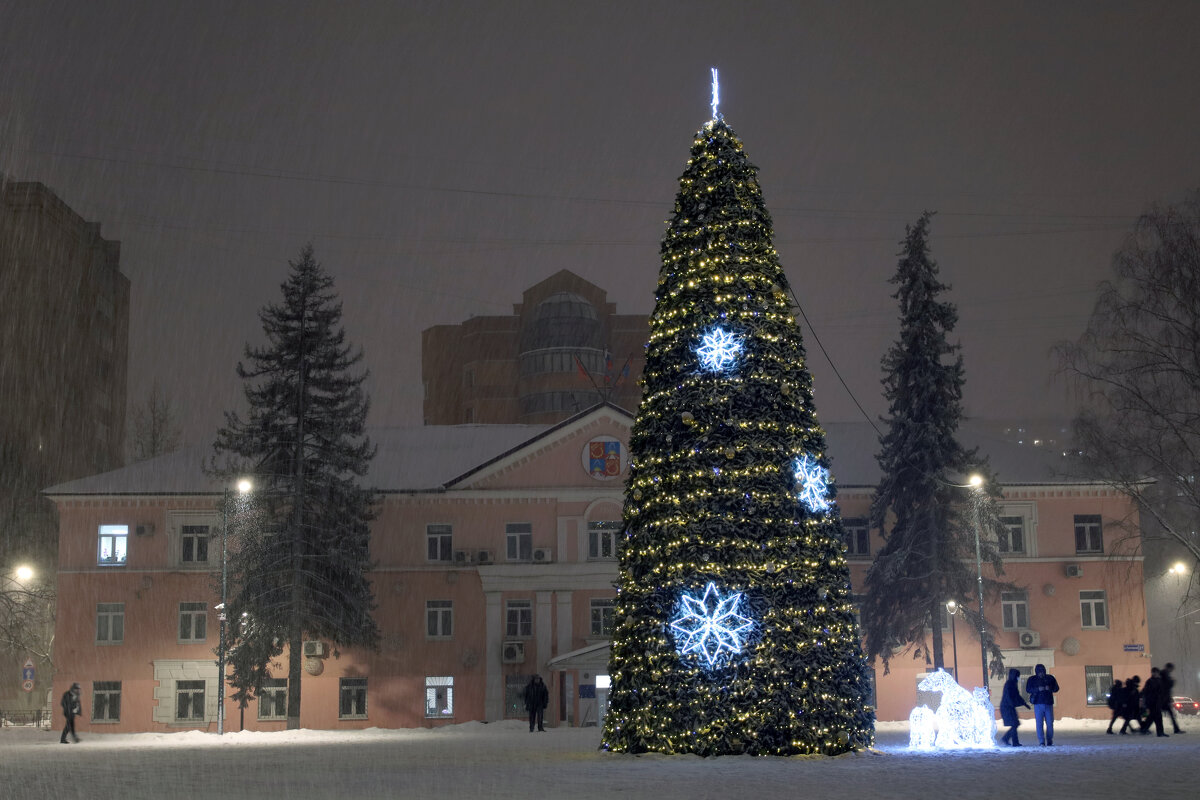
503 760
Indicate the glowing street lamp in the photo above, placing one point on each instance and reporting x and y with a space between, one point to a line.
243 487
976 483
24 573
952 607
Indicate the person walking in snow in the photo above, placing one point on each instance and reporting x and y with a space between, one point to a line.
1009 701
1041 687
537 697
71 709
1167 674
1131 710
1116 702
1152 699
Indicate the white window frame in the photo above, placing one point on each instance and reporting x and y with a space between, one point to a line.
1014 610
191 612
273 699
110 623
1095 600
518 541
603 536
1012 526
439 619
195 537
603 611
439 697
103 693
857 537
518 619
1097 683
352 698
439 543
1091 526
194 690
112 545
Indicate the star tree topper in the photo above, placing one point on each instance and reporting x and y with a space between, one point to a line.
710 627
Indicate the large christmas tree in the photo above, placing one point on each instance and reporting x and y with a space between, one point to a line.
735 630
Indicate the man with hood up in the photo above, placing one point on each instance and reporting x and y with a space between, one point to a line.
1041 687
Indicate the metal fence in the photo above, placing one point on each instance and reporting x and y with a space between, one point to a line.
38 718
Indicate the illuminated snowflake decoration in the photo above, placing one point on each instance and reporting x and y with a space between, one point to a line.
710 627
718 350
813 482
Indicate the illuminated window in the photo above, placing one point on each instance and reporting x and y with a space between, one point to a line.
1098 682
113 543
439 697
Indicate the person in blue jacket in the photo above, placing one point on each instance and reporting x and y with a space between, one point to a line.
1009 701
1041 687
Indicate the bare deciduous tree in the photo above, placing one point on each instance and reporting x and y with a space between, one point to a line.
154 428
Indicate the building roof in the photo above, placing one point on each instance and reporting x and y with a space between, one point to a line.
431 458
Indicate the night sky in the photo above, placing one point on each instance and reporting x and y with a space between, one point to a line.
444 156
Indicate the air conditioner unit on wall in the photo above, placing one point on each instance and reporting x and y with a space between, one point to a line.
144 528
1074 571
485 557
462 556
314 649
513 653
1029 639
543 555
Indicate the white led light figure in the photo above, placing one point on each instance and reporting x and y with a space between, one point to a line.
813 482
964 719
710 627
718 350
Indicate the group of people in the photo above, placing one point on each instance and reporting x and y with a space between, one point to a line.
1040 687
1144 705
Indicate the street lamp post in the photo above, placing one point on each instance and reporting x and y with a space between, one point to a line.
952 607
243 486
976 482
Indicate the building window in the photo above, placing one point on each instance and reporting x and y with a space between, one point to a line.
110 623
114 540
602 617
192 619
518 537
352 698
514 695
1093 609
193 545
439 697
1089 537
857 536
602 539
189 701
1012 535
1098 682
272 699
439 619
439 540
1014 607
106 701
518 615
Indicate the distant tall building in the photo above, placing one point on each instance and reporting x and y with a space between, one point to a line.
64 334
563 350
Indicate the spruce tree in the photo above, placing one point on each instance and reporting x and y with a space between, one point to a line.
922 506
735 632
298 545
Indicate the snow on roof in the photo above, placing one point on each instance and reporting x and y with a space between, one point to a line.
430 457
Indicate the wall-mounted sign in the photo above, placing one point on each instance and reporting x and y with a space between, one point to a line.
605 458
1135 648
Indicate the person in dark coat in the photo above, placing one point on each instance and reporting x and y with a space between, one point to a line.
71 710
1041 687
537 697
1152 699
1167 673
1116 702
1132 708
1009 701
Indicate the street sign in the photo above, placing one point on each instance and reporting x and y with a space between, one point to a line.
27 673
1135 648
27 686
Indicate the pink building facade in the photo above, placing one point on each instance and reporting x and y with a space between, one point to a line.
495 558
